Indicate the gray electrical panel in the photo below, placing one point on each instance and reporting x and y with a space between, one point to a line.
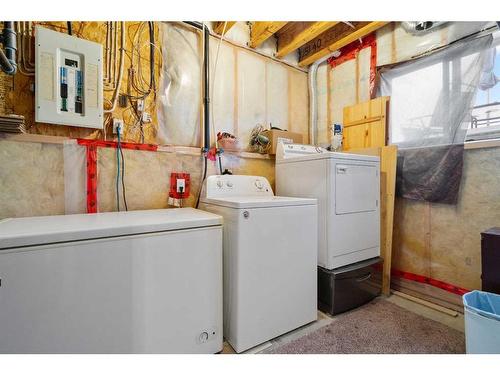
68 78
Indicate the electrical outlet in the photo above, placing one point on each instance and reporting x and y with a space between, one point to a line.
146 117
140 105
181 185
117 124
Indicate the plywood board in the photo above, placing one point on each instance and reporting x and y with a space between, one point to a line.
365 124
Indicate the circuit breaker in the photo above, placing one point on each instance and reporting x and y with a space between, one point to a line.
68 76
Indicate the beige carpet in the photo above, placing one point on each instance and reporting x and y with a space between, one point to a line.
378 327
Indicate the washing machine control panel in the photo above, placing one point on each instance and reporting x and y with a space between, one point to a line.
236 185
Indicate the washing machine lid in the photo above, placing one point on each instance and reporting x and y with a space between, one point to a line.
41 230
259 202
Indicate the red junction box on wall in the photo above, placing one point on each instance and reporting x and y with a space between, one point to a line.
176 184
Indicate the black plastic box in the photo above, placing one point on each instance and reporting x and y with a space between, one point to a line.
348 287
490 260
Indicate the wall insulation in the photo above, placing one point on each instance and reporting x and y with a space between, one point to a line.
443 241
247 89
49 179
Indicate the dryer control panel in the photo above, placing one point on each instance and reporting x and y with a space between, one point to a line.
236 185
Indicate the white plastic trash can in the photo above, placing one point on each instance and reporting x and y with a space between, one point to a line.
482 322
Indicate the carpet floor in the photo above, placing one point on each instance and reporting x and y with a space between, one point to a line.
378 327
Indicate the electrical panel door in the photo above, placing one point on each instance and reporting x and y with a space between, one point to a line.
68 79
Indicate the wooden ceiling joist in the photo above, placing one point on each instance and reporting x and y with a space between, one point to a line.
219 26
296 34
261 31
334 39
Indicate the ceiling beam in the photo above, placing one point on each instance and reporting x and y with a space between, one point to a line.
334 39
296 34
261 31
219 26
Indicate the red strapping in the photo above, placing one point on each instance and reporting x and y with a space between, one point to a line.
427 280
350 52
91 153
112 144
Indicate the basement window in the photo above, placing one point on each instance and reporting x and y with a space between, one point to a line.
485 115
445 98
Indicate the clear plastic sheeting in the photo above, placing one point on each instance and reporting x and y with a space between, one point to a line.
488 78
431 103
179 109
431 98
246 89
394 44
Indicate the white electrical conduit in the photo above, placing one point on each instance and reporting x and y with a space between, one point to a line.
30 57
120 72
20 59
107 55
313 111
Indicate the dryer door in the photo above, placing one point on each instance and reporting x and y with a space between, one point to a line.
356 188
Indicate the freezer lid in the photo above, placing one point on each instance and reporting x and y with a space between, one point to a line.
30 231
259 202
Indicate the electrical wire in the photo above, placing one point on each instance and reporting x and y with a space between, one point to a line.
220 164
138 81
123 178
118 172
120 71
202 180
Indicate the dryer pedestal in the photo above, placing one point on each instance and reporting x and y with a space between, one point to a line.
348 287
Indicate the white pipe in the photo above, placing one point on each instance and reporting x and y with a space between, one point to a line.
313 110
116 93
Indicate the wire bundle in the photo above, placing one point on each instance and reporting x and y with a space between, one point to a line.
120 175
140 84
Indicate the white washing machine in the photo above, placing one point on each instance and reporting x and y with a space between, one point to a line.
347 187
270 257
116 282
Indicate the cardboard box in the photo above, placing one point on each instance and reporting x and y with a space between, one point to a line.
281 135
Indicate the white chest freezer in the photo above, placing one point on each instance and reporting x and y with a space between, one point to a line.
270 258
117 282
347 187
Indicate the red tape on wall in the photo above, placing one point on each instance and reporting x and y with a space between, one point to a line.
91 154
427 280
